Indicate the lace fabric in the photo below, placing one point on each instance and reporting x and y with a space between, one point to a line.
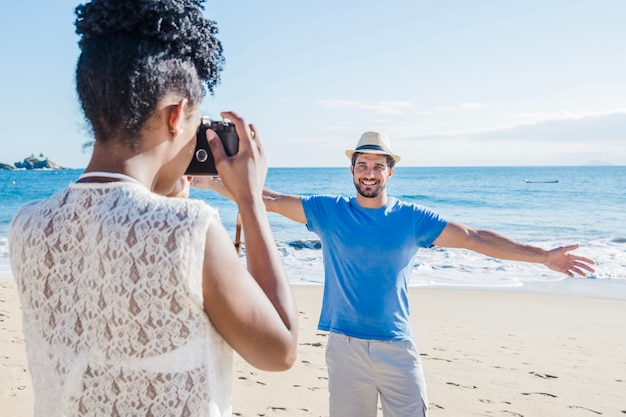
110 281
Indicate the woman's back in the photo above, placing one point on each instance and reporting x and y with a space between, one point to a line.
110 280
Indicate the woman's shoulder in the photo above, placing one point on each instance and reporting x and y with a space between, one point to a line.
182 207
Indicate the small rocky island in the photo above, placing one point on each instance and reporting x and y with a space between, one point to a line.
32 162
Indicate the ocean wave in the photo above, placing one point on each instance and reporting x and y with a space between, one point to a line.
4 246
305 244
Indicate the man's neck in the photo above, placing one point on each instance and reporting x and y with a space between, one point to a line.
372 203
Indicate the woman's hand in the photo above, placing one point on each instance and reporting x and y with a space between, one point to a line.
243 174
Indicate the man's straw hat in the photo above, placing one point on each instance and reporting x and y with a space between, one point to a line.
374 142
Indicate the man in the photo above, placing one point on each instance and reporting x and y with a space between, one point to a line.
368 244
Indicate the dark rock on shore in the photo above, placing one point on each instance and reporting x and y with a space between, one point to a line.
33 162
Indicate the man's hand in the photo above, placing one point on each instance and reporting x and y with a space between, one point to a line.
560 260
181 189
205 182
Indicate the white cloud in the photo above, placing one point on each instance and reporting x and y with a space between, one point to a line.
472 106
566 140
384 107
531 118
554 127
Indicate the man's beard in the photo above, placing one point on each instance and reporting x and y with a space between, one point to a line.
369 191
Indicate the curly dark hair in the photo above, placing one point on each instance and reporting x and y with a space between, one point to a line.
133 52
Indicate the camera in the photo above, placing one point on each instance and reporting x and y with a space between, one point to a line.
202 162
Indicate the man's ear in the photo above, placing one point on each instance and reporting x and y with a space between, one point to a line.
177 116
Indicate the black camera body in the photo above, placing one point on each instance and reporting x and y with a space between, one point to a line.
202 162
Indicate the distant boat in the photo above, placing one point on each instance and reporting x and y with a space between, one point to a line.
541 181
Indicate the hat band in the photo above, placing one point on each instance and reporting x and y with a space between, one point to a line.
374 148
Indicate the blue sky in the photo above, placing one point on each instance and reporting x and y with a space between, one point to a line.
452 83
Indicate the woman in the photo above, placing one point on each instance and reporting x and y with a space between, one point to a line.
132 300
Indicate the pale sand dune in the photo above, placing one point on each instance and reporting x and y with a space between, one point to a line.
485 353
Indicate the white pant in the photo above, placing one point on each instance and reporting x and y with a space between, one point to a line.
359 370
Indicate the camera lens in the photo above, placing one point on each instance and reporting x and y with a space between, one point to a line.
202 155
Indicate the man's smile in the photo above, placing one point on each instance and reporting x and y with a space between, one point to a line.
369 183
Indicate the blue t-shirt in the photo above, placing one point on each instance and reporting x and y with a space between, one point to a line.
368 258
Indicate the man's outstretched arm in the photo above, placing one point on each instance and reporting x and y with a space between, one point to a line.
486 242
288 205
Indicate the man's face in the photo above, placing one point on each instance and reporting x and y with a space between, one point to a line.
370 174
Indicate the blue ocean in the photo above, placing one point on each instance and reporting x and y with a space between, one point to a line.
545 206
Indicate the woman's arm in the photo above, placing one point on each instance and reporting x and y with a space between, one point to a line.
254 309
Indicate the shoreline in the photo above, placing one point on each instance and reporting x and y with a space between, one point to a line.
484 353
604 288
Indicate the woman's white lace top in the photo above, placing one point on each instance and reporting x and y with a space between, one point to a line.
110 281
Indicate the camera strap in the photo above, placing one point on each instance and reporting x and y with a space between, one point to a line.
238 234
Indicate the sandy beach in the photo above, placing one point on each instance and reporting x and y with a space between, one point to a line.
485 353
